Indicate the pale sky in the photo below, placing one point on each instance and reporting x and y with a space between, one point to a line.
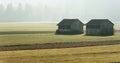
82 9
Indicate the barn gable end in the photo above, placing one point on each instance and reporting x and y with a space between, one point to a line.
70 26
101 27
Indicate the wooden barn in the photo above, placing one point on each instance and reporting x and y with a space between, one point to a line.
100 27
70 26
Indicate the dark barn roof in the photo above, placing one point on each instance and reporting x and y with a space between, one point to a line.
98 21
68 21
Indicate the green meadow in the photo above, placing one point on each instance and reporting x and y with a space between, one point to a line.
19 39
41 38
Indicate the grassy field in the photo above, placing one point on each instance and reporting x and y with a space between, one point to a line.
17 39
96 54
34 26
28 26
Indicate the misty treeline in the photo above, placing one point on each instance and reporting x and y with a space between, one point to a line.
25 12
11 13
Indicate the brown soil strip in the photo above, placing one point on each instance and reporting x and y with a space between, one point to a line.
25 32
57 45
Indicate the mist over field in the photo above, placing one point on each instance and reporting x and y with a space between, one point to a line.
56 10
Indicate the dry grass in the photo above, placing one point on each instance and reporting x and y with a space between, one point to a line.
97 54
28 26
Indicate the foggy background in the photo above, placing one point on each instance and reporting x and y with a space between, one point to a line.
56 10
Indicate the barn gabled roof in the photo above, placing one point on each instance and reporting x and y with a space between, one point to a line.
98 21
68 21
